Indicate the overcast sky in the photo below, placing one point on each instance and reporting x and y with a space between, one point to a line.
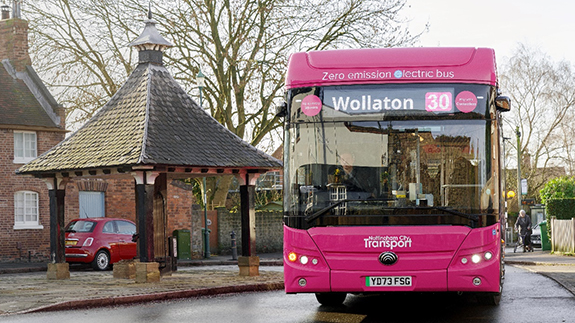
499 24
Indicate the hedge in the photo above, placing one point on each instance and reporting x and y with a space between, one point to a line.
562 209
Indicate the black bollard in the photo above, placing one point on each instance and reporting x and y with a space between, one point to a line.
234 247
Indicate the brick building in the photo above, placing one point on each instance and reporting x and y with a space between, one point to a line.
31 122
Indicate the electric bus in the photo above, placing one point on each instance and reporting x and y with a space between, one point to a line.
393 173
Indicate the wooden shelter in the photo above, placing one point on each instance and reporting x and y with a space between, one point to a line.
150 128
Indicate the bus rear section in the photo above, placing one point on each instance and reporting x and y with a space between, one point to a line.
393 173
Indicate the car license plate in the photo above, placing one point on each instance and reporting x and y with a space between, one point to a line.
71 242
387 281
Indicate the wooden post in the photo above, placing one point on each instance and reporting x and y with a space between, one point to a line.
57 225
57 268
248 263
248 214
145 217
146 270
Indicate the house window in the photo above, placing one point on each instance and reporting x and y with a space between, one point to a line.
270 181
24 146
26 210
92 204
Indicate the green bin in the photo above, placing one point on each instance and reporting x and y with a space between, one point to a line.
545 243
183 244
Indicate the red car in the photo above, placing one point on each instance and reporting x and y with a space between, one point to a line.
100 241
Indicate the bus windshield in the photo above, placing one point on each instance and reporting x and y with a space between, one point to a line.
400 165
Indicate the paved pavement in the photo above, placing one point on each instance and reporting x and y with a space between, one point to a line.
559 268
24 287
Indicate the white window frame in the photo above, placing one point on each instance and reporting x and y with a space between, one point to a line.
25 147
26 210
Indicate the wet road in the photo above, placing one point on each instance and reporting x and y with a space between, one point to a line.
527 297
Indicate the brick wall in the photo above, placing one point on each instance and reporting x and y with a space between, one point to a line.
121 198
27 244
179 206
119 192
120 195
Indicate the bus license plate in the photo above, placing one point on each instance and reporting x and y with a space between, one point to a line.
385 281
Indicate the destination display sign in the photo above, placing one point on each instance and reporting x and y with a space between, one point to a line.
380 100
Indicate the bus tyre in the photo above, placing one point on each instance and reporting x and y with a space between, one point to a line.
330 299
491 299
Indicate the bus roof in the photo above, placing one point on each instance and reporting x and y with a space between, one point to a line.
392 65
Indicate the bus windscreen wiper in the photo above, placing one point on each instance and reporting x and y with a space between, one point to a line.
321 212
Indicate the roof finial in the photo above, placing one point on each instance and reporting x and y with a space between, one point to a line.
150 43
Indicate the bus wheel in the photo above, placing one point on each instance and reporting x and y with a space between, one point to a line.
492 299
330 299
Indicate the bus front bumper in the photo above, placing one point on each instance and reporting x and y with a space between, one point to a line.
478 278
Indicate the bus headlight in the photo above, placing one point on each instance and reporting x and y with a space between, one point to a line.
292 256
475 258
488 255
303 260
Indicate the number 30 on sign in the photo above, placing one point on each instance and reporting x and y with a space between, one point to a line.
438 101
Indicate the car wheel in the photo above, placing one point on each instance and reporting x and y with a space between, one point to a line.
101 261
330 299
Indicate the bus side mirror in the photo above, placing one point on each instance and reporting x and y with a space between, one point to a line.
281 111
503 103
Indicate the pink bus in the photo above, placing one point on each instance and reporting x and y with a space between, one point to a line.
394 176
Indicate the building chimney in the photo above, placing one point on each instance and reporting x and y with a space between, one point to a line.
5 12
14 39
16 4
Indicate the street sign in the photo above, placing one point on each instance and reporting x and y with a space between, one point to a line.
523 186
528 202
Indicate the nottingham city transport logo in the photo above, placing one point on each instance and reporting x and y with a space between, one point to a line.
390 242
388 258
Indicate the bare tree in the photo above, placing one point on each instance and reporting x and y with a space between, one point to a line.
79 48
241 46
543 95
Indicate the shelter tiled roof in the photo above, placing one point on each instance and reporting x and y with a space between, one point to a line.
151 120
